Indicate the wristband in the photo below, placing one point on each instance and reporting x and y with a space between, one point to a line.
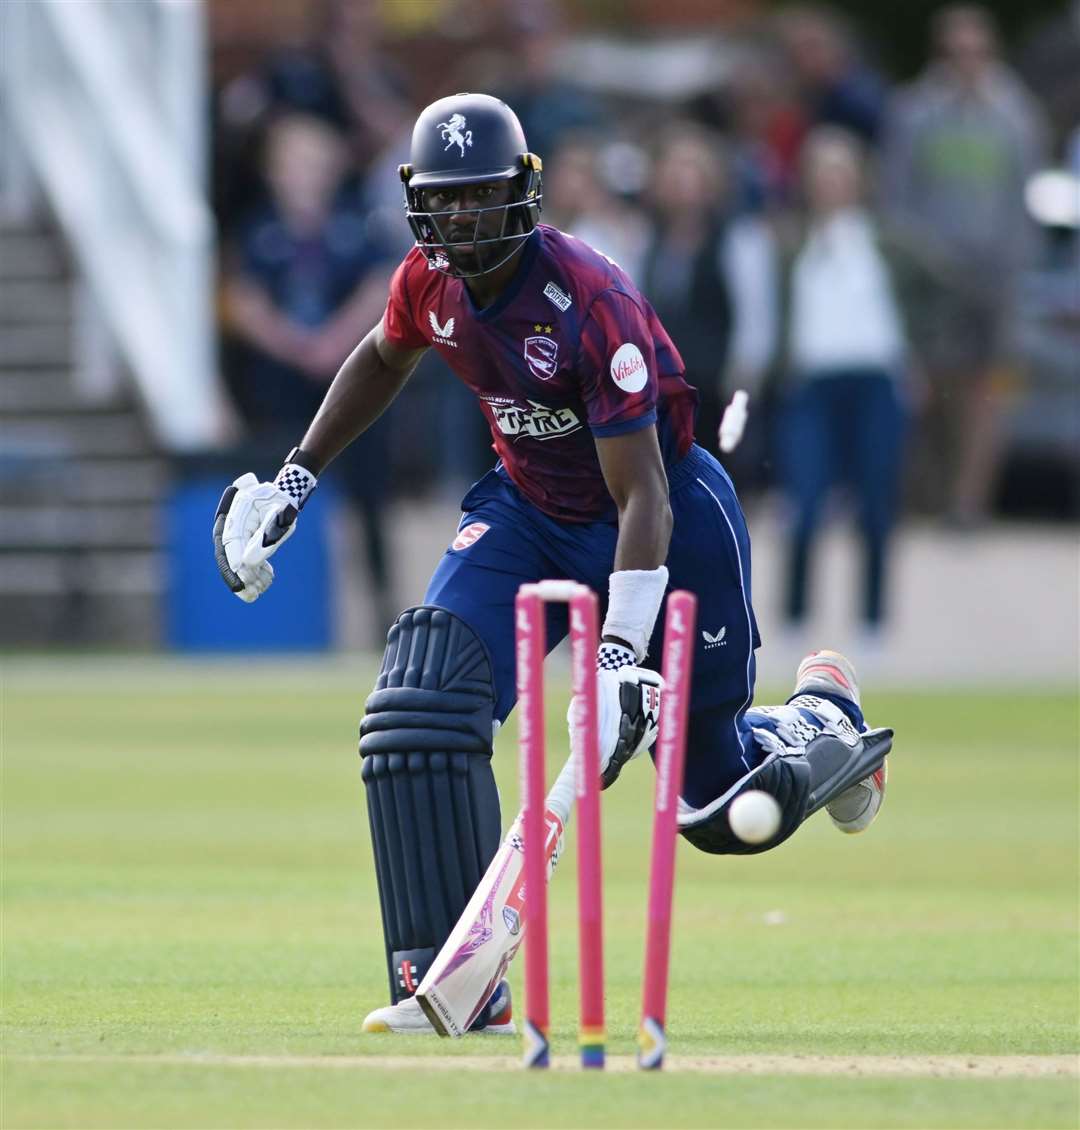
613 656
634 599
296 480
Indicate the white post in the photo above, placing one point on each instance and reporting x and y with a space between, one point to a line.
19 195
181 70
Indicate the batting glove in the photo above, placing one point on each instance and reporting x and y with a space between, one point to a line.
252 521
628 705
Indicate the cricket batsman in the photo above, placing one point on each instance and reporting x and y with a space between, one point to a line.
598 480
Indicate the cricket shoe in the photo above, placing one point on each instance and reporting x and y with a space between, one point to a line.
407 1018
829 672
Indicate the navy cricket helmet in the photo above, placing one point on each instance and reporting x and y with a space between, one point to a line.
470 139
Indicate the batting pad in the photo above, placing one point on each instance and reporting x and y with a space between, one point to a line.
433 807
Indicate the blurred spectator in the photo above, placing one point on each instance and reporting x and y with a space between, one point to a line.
709 275
547 105
307 278
1048 59
837 87
766 128
683 274
846 312
959 145
370 85
577 200
335 70
749 264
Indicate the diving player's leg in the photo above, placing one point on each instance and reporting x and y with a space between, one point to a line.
426 741
807 754
831 676
816 751
710 556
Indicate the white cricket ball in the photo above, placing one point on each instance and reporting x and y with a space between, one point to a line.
754 817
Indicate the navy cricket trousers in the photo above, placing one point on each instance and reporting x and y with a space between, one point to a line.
504 541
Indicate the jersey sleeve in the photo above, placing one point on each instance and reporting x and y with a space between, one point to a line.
398 322
616 365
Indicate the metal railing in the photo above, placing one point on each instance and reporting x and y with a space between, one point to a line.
107 102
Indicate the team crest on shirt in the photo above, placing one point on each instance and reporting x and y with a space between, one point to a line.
542 353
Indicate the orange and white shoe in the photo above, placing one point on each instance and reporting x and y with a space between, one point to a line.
829 672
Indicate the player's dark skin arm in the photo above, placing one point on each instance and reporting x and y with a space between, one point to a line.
633 470
372 375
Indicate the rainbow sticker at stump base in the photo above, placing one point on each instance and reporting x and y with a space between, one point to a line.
592 1047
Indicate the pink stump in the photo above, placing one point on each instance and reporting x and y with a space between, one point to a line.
670 758
583 642
530 647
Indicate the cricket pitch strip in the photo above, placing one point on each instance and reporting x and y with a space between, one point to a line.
860 1066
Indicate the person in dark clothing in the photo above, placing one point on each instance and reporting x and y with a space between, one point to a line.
683 274
306 273
837 87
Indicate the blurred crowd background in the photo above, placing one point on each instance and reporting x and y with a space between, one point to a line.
865 215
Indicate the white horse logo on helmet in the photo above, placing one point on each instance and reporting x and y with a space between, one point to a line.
454 133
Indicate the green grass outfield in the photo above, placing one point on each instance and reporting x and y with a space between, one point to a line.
191 934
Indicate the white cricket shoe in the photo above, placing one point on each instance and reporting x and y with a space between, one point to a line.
855 809
407 1017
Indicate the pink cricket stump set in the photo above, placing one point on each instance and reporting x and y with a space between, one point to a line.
670 756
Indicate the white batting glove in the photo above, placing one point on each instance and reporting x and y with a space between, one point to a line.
252 521
628 706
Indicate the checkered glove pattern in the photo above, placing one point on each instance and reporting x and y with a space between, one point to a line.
297 482
613 656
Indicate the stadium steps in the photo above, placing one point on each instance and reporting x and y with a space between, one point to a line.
33 302
81 481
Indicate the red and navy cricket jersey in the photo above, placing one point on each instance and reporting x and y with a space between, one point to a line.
570 350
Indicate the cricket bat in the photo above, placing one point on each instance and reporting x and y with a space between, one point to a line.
491 928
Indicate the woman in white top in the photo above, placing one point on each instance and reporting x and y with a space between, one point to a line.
843 345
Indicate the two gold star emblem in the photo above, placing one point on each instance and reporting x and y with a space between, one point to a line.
537 327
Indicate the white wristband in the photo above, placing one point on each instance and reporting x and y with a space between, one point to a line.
634 599
297 482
